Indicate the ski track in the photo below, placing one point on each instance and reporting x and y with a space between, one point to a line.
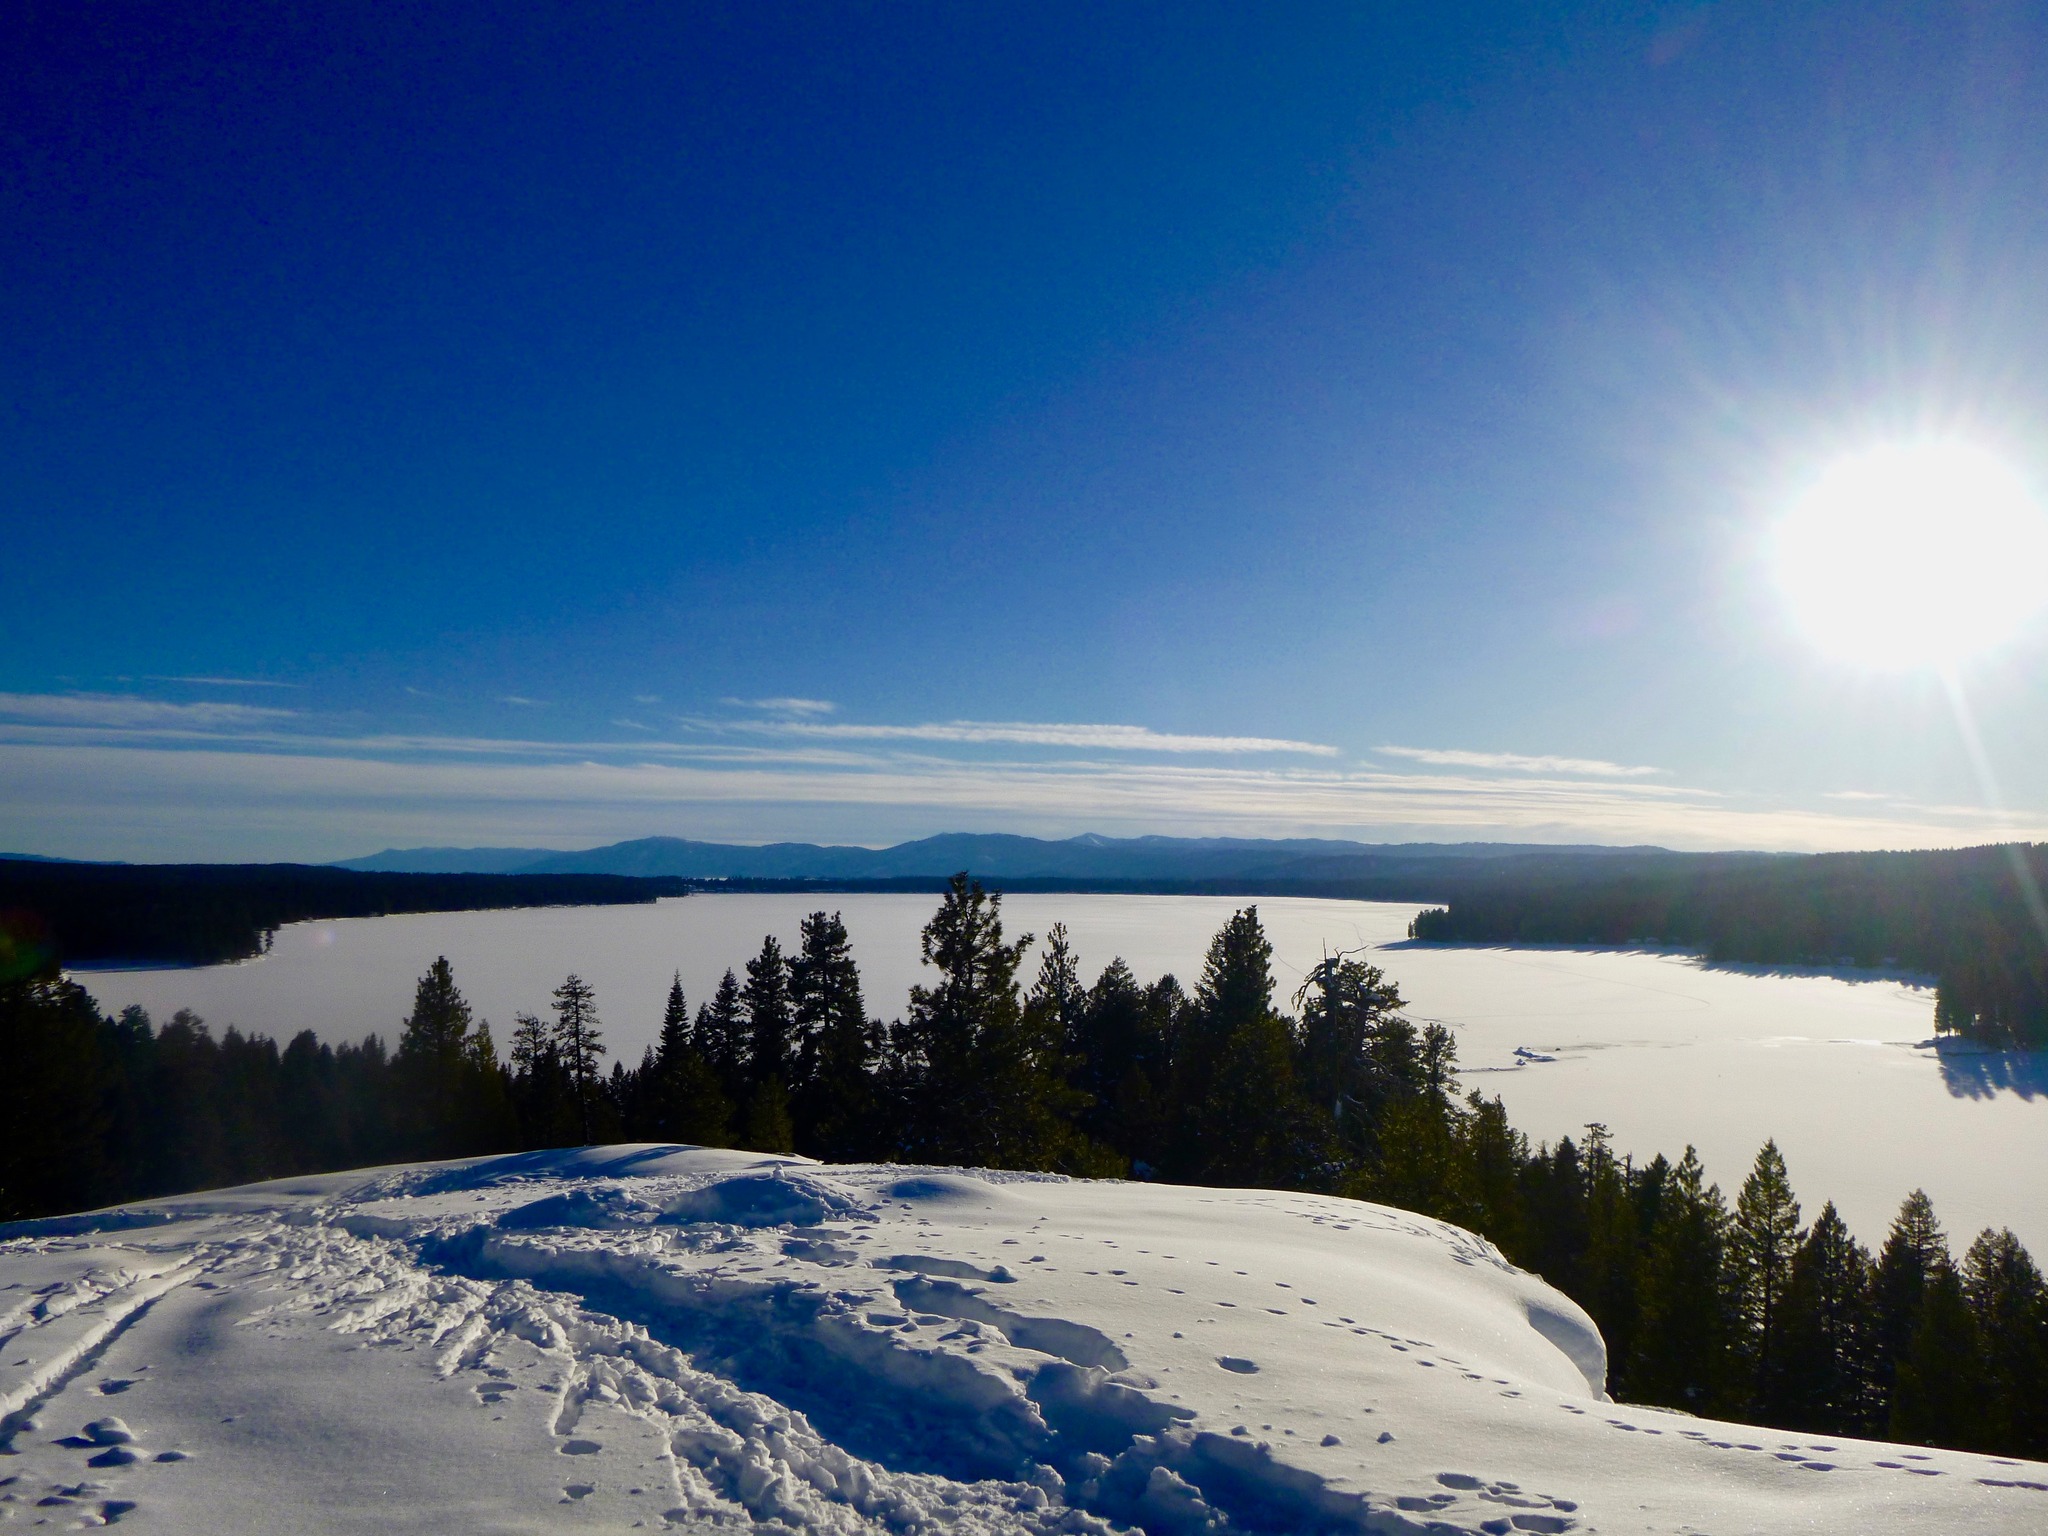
799 1375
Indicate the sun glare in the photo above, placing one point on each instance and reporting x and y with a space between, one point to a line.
1914 554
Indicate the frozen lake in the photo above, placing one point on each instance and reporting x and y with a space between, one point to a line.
1662 1048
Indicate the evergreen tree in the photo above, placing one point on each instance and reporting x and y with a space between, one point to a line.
1762 1241
680 1097
541 1091
1611 1270
1826 1331
770 1023
51 1096
2009 1302
1493 1155
1913 1251
1553 1185
451 1096
768 1125
579 1047
1117 1059
1236 1103
982 1088
1688 1325
836 1108
1940 1386
1350 1015
675 1036
1058 993
722 1037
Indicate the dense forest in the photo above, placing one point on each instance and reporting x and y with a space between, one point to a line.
1973 917
1739 1310
205 914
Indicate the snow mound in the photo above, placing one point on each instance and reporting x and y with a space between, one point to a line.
937 1191
603 1208
519 1343
761 1200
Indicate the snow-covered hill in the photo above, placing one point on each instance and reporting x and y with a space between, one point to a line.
649 1337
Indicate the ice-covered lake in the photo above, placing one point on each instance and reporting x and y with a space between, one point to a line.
1662 1048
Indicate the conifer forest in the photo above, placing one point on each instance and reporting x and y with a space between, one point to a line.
1748 1308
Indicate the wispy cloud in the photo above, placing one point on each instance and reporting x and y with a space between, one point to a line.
522 701
124 710
1516 762
223 682
1854 794
123 776
231 793
646 698
786 706
1091 738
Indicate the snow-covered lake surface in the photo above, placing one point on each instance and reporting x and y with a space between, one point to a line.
1661 1048
655 1338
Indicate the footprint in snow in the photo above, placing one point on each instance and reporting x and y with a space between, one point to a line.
1237 1363
580 1448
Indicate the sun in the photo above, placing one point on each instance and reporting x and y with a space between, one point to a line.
1914 555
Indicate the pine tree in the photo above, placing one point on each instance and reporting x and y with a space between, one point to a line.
51 1098
540 1087
836 1106
579 1047
768 1125
1913 1251
770 1024
1239 1116
1058 992
1493 1153
1350 1014
1688 1327
1611 1271
1116 1060
1826 1331
2009 1301
722 1037
1938 1395
675 1022
448 1097
680 1096
983 1088
1764 1238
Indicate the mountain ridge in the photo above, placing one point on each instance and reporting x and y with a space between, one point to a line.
996 855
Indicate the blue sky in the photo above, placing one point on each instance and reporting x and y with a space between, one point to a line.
548 425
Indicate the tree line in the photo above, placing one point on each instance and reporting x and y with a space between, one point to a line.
1974 918
208 914
1735 1310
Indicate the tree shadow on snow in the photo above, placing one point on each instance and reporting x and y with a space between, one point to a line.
1971 1072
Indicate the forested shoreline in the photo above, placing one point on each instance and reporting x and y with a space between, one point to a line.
1974 918
209 914
1736 1310
1971 917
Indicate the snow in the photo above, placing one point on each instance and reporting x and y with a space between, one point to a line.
651 1337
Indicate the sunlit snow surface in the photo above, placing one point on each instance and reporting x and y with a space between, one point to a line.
651 1337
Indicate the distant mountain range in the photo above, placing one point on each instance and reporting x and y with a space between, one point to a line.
998 856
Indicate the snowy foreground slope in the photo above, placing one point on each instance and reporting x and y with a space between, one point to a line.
650 1337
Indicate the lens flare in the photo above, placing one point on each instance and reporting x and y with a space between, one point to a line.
1914 555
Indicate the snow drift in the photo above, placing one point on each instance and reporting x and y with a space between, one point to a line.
640 1337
